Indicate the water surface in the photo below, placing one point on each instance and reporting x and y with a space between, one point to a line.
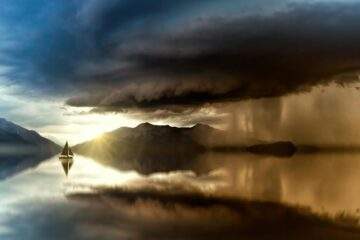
34 202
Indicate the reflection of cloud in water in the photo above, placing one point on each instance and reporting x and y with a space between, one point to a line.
34 200
135 214
47 183
180 205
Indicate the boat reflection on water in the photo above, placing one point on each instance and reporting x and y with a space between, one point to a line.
66 158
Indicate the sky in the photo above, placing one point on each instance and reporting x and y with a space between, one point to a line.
74 69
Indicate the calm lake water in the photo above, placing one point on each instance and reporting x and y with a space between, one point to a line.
34 203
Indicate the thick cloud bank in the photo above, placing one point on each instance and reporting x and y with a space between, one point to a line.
116 55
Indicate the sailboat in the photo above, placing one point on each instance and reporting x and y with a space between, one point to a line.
66 158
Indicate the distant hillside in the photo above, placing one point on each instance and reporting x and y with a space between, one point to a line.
147 148
21 148
277 149
14 135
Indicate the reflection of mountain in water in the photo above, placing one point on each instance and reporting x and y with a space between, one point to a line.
13 164
21 148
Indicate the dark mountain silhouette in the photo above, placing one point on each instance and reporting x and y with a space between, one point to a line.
277 149
21 148
149 148
146 148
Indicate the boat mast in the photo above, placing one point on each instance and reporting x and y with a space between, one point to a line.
65 150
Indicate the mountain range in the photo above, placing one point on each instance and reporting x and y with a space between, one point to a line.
21 148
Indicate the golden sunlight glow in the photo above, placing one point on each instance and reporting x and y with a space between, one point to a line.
79 126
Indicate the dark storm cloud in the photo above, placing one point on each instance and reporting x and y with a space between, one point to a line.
220 59
115 55
50 44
